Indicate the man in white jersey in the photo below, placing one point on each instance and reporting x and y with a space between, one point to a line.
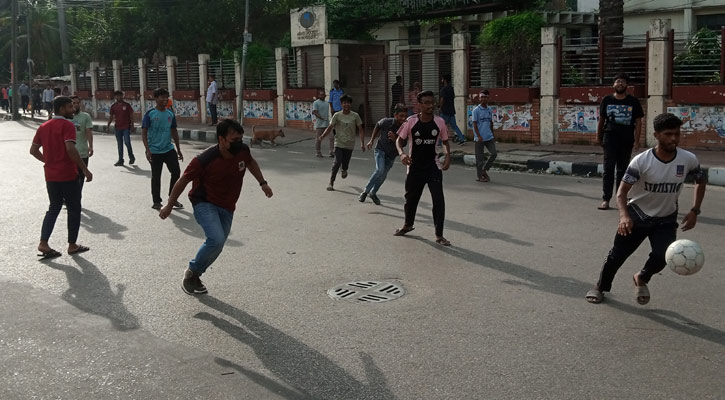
647 201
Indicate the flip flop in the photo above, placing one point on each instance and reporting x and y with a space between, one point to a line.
641 293
595 296
80 249
443 241
603 206
49 254
402 231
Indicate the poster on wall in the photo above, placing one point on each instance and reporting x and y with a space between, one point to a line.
258 109
298 111
579 119
507 117
701 119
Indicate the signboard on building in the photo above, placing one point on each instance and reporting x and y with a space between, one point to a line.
308 26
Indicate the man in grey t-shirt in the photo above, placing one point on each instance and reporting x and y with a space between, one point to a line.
321 111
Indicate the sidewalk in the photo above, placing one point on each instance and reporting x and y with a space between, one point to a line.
561 159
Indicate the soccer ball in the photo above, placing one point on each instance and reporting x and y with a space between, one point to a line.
685 257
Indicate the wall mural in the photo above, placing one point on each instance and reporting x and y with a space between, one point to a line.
507 117
578 118
701 119
87 106
258 109
104 106
224 109
186 109
298 111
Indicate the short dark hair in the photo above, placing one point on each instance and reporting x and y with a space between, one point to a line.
621 75
425 93
346 99
666 121
398 78
335 81
74 97
158 92
484 91
400 108
60 102
447 78
212 76
117 92
222 129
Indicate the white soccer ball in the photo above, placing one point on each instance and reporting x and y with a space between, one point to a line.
685 257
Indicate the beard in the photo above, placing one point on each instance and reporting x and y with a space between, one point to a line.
620 91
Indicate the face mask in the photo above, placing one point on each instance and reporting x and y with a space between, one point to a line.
236 146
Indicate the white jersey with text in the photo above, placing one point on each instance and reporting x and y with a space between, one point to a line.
656 184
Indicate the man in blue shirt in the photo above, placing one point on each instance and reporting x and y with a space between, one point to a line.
158 128
335 95
483 136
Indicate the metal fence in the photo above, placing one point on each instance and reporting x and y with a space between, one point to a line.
156 76
223 71
484 73
105 78
130 77
596 60
305 68
83 80
262 76
697 59
187 75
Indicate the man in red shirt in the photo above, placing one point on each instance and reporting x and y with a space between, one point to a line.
217 176
122 112
61 160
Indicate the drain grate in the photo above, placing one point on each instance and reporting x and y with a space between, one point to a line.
367 291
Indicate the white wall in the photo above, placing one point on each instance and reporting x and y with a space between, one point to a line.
587 5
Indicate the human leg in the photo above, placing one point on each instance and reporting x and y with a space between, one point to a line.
318 141
435 186
212 111
346 156
216 223
336 165
388 163
480 161
72 196
623 247
119 144
378 173
623 156
55 197
454 126
414 184
157 163
661 237
492 153
610 163
129 149
81 175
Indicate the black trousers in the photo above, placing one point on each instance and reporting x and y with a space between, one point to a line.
414 184
661 233
58 193
24 101
171 160
81 176
342 158
615 156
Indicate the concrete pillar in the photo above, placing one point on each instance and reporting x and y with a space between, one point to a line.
203 74
280 55
460 79
658 73
73 78
94 87
117 64
689 20
549 109
238 86
171 62
142 83
331 53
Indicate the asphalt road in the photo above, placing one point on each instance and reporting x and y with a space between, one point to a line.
500 315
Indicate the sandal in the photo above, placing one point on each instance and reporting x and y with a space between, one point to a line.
595 296
603 206
402 231
641 293
80 249
443 241
45 255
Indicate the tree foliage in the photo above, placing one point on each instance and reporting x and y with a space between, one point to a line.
700 62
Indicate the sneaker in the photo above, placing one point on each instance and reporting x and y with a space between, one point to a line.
344 174
330 188
362 197
332 155
375 199
156 206
192 284
178 205
132 160
319 155
118 163
462 142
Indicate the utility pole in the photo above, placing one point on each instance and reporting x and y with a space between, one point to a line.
14 60
63 28
29 60
247 39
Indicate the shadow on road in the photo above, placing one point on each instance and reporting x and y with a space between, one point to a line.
309 372
185 222
570 287
99 224
549 191
136 170
90 291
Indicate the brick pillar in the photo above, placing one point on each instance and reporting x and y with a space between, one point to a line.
549 108
280 54
203 74
658 73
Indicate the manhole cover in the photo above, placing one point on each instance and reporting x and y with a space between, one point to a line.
367 291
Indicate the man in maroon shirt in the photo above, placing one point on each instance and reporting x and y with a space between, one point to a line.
217 176
122 112
61 160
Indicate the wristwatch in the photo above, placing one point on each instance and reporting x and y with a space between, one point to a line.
695 210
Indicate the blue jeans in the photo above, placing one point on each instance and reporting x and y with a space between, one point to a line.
383 164
451 120
216 222
124 136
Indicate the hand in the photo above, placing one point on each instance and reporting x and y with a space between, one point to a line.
267 190
148 155
689 221
625 225
363 147
181 156
446 163
392 135
90 151
88 174
370 145
636 147
405 159
166 210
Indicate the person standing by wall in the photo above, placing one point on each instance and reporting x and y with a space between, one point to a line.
618 131
36 96
24 91
84 136
396 94
336 94
448 108
483 136
321 111
122 113
212 99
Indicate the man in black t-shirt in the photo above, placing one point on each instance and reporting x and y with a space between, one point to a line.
424 168
448 109
618 131
396 92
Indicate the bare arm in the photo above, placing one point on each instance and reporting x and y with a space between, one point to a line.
637 133
327 130
110 119
362 136
35 152
625 222
145 139
447 152
70 148
89 135
175 136
254 169
691 218
376 131
176 192
600 131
